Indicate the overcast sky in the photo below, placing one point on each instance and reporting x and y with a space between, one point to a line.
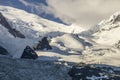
83 12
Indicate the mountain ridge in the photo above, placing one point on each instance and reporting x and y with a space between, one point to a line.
69 47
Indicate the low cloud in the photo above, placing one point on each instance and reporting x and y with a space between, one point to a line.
85 13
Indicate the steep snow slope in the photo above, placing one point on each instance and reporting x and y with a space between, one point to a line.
67 45
19 18
15 46
69 41
37 7
66 48
106 49
34 28
109 30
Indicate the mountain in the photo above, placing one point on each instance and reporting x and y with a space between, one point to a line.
34 28
14 32
105 36
70 45
108 31
32 6
27 29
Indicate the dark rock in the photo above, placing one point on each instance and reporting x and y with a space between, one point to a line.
43 44
86 72
29 53
3 51
116 19
14 32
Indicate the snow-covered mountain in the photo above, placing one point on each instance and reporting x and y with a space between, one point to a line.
108 32
105 36
37 7
70 44
32 27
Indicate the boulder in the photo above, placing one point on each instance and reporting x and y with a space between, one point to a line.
29 53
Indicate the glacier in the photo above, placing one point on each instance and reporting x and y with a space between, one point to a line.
70 45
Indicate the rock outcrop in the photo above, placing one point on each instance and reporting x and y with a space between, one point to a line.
14 32
29 53
94 72
43 44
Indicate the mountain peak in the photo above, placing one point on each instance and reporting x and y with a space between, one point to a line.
115 18
108 30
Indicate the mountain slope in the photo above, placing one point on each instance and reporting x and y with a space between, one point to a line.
32 27
95 47
106 48
109 30
14 32
37 7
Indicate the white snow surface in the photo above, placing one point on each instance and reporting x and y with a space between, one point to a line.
66 45
109 30
105 37
32 26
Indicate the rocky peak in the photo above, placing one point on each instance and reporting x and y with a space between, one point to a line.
5 23
115 18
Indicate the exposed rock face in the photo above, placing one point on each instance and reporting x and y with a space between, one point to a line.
43 44
94 72
14 32
117 45
29 53
3 51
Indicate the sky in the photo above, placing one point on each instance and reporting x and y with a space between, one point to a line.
85 13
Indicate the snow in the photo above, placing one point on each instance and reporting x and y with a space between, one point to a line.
52 56
32 26
95 47
96 78
108 31
68 41
30 21
101 54
66 45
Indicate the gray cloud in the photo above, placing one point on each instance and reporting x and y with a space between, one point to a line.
82 12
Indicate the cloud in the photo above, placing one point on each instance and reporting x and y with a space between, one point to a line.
82 12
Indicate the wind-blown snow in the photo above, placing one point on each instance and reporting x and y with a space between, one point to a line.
105 36
33 27
99 45
65 40
109 30
69 41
